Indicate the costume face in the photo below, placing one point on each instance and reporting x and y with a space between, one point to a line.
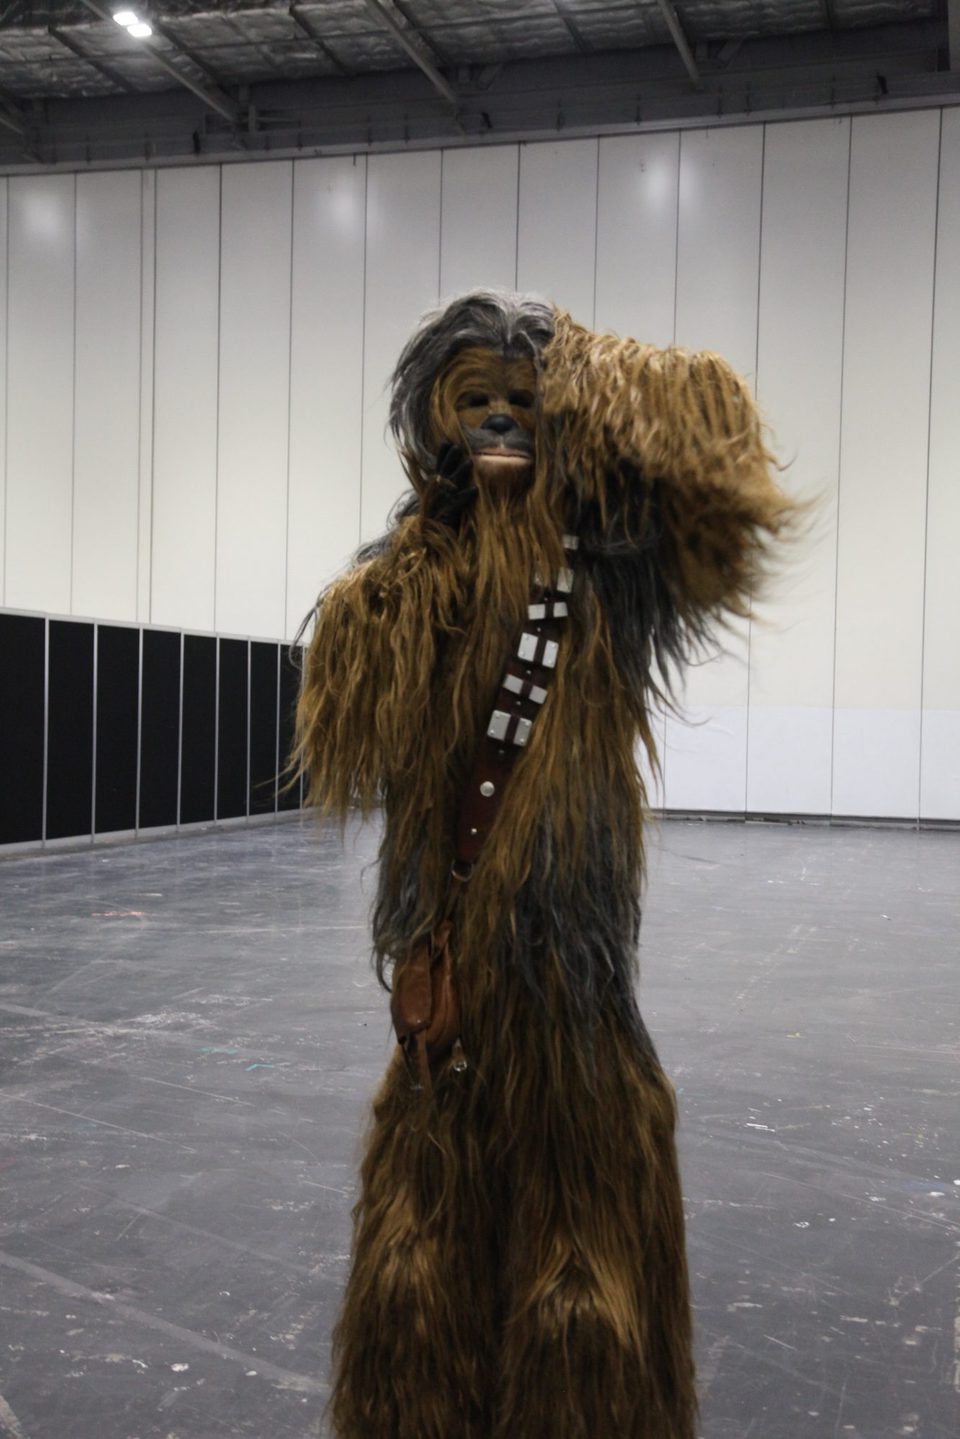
485 403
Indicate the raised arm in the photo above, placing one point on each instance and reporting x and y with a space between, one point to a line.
664 450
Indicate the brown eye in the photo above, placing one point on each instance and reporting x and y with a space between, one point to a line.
474 400
521 399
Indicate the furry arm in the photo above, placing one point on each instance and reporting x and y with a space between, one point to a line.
365 685
665 449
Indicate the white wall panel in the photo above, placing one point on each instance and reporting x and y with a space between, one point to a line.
637 236
148 291
3 385
718 243
637 193
186 361
326 375
40 378
255 237
478 219
106 487
883 463
940 746
403 277
800 358
556 243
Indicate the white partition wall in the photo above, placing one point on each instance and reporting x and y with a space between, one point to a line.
41 263
636 287
254 397
637 195
106 443
800 355
718 246
186 364
193 401
557 230
940 717
478 219
326 375
883 463
402 280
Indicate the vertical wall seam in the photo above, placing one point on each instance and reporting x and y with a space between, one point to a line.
216 729
756 390
136 813
136 573
673 340
676 238
363 335
153 408
926 497
6 381
596 236
73 411
286 554
249 707
440 235
46 726
836 568
216 471
183 645
96 721
276 733
516 238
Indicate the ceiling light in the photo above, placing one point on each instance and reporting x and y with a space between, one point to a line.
140 30
125 17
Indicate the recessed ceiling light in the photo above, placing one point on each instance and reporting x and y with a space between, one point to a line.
140 30
125 17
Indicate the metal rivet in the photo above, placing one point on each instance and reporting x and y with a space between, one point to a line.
487 788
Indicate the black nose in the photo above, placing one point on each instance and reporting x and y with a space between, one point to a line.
498 423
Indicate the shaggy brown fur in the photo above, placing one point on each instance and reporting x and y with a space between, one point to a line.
518 1268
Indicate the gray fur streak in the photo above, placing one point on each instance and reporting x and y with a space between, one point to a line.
517 326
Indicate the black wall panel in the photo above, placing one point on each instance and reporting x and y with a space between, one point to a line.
232 730
70 730
225 738
159 728
263 727
199 743
22 641
289 691
118 682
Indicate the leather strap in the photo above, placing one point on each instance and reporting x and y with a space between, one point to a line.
520 698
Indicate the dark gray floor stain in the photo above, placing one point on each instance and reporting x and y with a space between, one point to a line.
190 1034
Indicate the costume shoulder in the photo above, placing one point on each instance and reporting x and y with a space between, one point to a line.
664 449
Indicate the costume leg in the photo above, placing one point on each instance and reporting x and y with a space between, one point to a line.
596 1342
415 1339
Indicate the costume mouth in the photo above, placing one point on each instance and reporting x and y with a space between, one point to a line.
503 452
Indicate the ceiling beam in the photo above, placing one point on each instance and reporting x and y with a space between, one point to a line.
160 27
212 97
953 32
573 30
307 29
378 9
94 61
668 10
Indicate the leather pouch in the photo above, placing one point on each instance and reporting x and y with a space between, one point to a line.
423 1005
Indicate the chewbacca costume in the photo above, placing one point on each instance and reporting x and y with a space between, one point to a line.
518 1267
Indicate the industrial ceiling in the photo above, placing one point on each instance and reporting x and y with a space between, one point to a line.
240 78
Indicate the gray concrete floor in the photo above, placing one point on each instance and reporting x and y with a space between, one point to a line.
190 1033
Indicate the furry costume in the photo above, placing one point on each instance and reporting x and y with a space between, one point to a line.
518 1268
